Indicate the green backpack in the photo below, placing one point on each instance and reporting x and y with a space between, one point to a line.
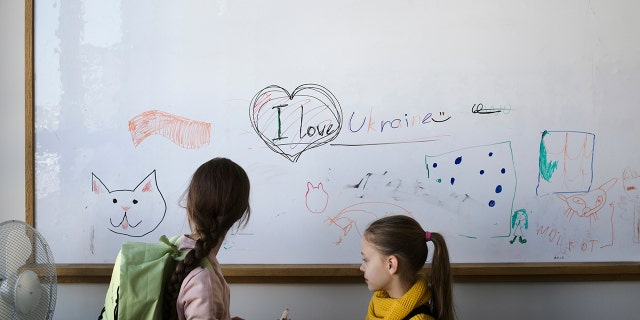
139 278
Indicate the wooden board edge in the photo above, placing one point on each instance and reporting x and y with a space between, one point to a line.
350 273
29 108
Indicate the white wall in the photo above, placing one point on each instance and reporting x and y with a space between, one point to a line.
599 300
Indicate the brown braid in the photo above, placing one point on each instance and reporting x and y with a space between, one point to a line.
217 198
183 268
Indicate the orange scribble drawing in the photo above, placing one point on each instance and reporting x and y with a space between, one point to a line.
186 133
357 216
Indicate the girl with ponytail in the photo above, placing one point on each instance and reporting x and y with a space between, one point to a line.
394 251
217 199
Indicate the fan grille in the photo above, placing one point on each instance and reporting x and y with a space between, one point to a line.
22 248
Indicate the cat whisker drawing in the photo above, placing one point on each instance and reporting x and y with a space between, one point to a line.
124 223
588 204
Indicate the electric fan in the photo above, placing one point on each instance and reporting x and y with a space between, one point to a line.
27 273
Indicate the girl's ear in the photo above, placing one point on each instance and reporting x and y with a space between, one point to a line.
392 264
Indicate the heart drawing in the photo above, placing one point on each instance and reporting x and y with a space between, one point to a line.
291 123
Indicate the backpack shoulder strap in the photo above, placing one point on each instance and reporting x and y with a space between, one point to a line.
423 309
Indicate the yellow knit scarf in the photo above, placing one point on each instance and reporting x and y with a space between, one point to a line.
384 307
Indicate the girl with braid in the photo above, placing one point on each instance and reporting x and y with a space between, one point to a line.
394 251
217 199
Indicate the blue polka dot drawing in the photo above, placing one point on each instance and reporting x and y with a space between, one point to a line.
485 174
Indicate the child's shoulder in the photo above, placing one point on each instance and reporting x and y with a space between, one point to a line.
198 276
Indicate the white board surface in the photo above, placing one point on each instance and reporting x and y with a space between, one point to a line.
508 126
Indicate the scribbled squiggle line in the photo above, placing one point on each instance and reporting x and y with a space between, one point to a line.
186 133
353 216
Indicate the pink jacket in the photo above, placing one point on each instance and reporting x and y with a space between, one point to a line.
204 294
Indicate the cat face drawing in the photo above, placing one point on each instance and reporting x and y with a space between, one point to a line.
132 213
588 205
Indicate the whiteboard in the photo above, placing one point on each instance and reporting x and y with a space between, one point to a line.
507 126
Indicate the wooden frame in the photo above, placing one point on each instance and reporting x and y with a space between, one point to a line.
324 273
350 273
